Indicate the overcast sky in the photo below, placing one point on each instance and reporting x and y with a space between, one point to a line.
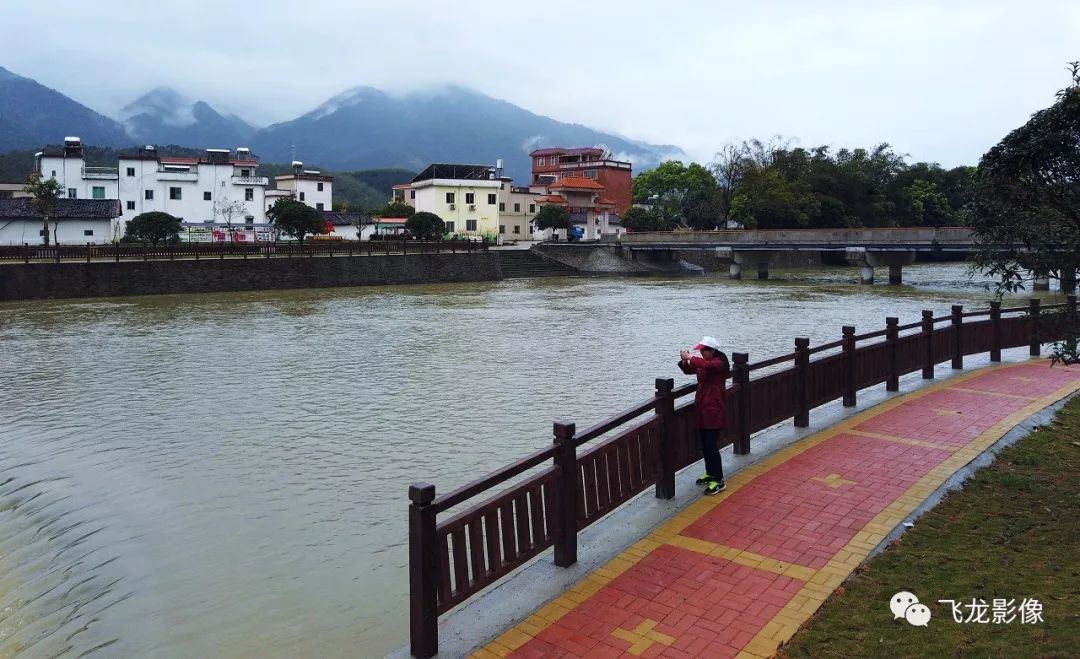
941 81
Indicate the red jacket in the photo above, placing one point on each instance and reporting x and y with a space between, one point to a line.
710 400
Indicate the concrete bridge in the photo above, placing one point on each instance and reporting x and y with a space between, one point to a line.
864 248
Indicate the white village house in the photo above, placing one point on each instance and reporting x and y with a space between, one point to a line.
217 196
73 222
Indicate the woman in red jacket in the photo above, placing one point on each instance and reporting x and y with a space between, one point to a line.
710 406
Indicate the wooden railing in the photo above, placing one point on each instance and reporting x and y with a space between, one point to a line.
561 490
171 252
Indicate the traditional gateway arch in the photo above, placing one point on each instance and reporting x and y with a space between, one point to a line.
865 248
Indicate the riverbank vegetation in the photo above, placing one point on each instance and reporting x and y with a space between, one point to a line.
774 185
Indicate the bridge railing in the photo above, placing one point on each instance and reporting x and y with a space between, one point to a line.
826 236
545 499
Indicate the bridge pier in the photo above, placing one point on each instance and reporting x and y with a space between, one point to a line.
740 258
868 259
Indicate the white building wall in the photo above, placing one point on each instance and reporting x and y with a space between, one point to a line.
199 188
308 191
68 232
431 197
69 173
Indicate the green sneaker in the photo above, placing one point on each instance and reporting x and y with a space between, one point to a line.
715 487
703 479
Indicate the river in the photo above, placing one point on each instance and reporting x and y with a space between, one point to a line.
226 475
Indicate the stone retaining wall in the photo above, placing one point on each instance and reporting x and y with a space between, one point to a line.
19 281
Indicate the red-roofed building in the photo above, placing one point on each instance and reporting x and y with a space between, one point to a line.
586 199
552 165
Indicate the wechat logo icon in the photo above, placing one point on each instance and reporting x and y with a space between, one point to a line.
906 605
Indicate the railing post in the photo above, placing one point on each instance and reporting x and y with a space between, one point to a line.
117 246
423 573
740 374
928 356
1033 314
567 490
802 373
665 411
995 331
849 365
958 331
892 337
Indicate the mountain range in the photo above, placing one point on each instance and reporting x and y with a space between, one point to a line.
361 128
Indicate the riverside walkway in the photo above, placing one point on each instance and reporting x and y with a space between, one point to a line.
735 575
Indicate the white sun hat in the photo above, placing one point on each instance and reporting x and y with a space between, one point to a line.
708 342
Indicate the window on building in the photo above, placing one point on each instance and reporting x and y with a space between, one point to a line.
470 198
175 193
54 173
470 225
492 199
88 232
131 205
532 208
517 228
502 207
517 208
449 227
449 197
149 194
131 171
245 172
249 194
206 196
319 206
320 187
590 173
301 196
98 192
72 193
540 162
502 228
412 194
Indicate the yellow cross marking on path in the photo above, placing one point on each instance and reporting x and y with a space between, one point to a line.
834 480
941 412
1020 378
642 637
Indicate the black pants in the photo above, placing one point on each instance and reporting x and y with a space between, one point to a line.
710 440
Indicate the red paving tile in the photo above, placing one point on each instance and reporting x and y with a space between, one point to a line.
789 515
730 601
802 511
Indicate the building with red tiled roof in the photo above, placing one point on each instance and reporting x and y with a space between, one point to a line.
552 165
587 200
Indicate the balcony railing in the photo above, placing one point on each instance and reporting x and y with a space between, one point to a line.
178 175
250 180
614 164
107 173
